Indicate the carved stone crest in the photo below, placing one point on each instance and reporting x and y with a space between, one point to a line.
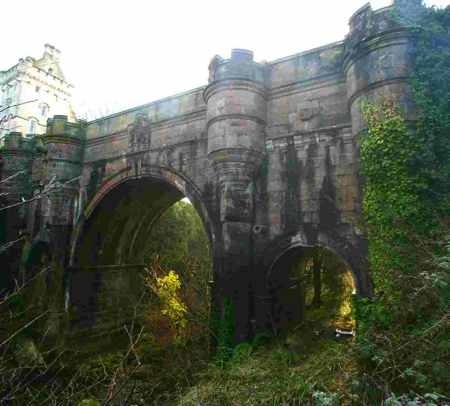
236 201
139 132
306 117
308 110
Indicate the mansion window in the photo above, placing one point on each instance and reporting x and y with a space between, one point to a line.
32 126
44 109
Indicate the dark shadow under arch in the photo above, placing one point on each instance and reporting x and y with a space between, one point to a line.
172 182
288 288
112 232
353 251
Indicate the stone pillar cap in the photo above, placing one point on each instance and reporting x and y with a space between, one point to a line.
241 54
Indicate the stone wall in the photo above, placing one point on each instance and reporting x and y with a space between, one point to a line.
267 153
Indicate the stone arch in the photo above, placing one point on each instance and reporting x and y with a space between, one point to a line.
172 177
284 286
353 255
115 251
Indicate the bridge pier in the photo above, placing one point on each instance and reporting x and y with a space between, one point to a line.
236 119
63 143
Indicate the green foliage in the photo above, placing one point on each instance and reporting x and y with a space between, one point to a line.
337 285
429 399
242 351
276 375
99 368
404 331
396 206
325 399
261 339
35 371
224 332
89 402
179 234
431 85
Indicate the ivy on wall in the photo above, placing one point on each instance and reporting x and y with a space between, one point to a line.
404 332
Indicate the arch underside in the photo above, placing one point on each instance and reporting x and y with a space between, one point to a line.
117 228
109 247
289 281
346 245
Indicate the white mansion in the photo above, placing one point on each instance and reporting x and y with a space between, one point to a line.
32 91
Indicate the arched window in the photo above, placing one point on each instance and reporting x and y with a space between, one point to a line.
44 109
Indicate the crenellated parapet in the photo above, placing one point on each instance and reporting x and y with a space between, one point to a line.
64 142
240 66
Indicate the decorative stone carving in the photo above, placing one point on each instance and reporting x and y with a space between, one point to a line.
140 132
306 117
236 202
308 110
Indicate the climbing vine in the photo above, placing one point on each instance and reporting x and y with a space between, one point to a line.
404 331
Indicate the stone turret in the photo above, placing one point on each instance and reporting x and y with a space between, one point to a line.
379 52
378 57
64 143
236 120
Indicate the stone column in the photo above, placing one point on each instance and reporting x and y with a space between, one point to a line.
236 119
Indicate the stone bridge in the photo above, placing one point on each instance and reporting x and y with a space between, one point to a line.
266 152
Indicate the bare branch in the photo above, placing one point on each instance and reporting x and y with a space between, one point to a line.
23 328
9 244
12 177
51 187
18 104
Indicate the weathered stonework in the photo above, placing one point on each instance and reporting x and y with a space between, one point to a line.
32 91
267 153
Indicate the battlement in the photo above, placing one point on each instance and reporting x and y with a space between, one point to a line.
59 126
239 54
240 66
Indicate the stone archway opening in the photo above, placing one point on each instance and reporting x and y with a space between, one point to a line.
116 244
311 291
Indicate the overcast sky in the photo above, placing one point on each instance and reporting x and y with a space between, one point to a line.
120 54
